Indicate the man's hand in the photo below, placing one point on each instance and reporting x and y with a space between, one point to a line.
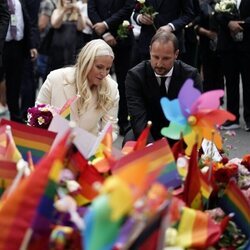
166 28
146 19
99 28
235 26
110 40
33 54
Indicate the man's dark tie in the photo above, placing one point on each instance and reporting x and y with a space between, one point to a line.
163 90
13 28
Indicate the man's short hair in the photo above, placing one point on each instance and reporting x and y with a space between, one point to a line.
164 37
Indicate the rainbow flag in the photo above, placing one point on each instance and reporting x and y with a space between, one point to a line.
196 188
8 149
32 201
8 172
197 230
88 176
27 138
140 168
234 201
65 110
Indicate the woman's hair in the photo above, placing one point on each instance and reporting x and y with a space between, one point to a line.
84 64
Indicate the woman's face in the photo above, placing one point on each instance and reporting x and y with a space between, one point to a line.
100 70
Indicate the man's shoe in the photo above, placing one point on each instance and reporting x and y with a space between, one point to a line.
247 128
230 125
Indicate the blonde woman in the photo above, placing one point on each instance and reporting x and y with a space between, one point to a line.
66 21
89 78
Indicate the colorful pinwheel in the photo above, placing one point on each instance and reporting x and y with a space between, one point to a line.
195 116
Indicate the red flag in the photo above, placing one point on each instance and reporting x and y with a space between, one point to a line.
143 138
195 187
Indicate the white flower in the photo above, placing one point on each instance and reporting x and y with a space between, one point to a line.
40 120
141 1
125 23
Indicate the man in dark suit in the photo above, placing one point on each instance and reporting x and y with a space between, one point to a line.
172 16
234 48
4 23
19 44
144 85
106 16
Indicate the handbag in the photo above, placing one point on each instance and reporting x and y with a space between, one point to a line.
45 46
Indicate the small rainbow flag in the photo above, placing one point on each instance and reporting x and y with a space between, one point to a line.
234 201
8 172
8 149
147 165
27 138
65 110
196 229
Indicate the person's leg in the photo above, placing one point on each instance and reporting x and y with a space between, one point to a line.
13 64
28 87
244 58
122 63
230 67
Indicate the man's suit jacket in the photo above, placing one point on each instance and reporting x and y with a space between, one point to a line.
177 12
113 12
225 41
4 23
143 95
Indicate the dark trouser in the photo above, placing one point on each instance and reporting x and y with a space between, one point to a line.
235 63
28 87
13 57
122 64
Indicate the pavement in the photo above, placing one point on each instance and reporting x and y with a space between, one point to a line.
236 143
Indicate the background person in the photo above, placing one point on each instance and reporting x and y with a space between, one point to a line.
4 23
89 77
67 20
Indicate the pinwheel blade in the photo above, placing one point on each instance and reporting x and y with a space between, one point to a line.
187 96
172 110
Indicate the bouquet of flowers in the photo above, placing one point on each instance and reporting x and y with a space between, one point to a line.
124 29
146 10
226 6
41 115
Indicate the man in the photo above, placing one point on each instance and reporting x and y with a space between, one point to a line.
106 16
4 23
143 89
171 16
19 44
234 49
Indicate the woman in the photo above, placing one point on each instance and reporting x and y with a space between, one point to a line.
66 21
89 78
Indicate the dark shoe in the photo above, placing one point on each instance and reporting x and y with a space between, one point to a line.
230 125
247 128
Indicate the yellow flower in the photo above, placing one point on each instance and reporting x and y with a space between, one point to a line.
141 1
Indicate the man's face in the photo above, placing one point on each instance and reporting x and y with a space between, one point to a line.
162 57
